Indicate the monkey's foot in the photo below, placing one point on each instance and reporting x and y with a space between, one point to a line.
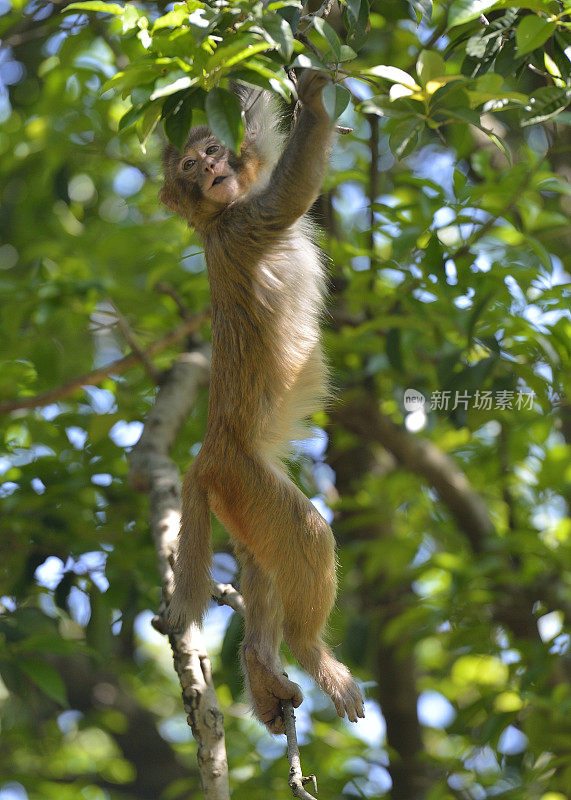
336 680
348 700
268 689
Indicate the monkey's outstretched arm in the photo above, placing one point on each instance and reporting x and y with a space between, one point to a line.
298 175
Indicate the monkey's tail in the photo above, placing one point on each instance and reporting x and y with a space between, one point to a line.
192 578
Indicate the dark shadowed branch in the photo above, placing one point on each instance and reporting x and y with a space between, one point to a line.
423 458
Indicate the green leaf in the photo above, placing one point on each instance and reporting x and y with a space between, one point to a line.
430 65
46 678
131 77
278 4
130 18
96 5
404 137
462 11
354 8
383 107
178 122
325 30
132 115
280 33
423 8
532 32
148 122
274 75
393 349
173 19
236 51
335 100
347 53
357 21
393 74
291 12
224 115
176 86
308 61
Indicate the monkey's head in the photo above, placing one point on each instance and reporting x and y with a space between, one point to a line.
206 177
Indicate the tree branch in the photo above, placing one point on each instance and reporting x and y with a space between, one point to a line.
323 11
423 458
153 471
131 340
97 375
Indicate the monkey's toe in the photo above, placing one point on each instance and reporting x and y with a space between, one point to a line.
349 701
275 724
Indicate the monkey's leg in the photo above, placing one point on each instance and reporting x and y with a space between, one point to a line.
192 578
307 588
294 545
264 623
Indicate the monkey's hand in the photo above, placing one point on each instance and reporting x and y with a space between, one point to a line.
309 90
268 689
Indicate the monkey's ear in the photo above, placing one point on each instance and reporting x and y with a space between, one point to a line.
171 198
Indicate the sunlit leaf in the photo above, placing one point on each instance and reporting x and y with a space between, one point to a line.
280 32
430 65
393 74
173 19
171 88
462 11
96 5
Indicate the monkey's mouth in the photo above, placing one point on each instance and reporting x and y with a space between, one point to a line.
218 179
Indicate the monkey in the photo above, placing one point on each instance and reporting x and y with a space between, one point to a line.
268 373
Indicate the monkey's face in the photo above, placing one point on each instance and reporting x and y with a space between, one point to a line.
206 177
212 168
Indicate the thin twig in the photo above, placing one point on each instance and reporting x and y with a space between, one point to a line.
225 594
170 291
131 340
304 40
323 11
296 779
98 375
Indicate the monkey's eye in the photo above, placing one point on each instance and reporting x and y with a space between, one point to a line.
188 163
212 149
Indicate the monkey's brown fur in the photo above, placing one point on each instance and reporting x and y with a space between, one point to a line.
266 281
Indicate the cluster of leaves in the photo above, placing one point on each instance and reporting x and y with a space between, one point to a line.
180 65
478 73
